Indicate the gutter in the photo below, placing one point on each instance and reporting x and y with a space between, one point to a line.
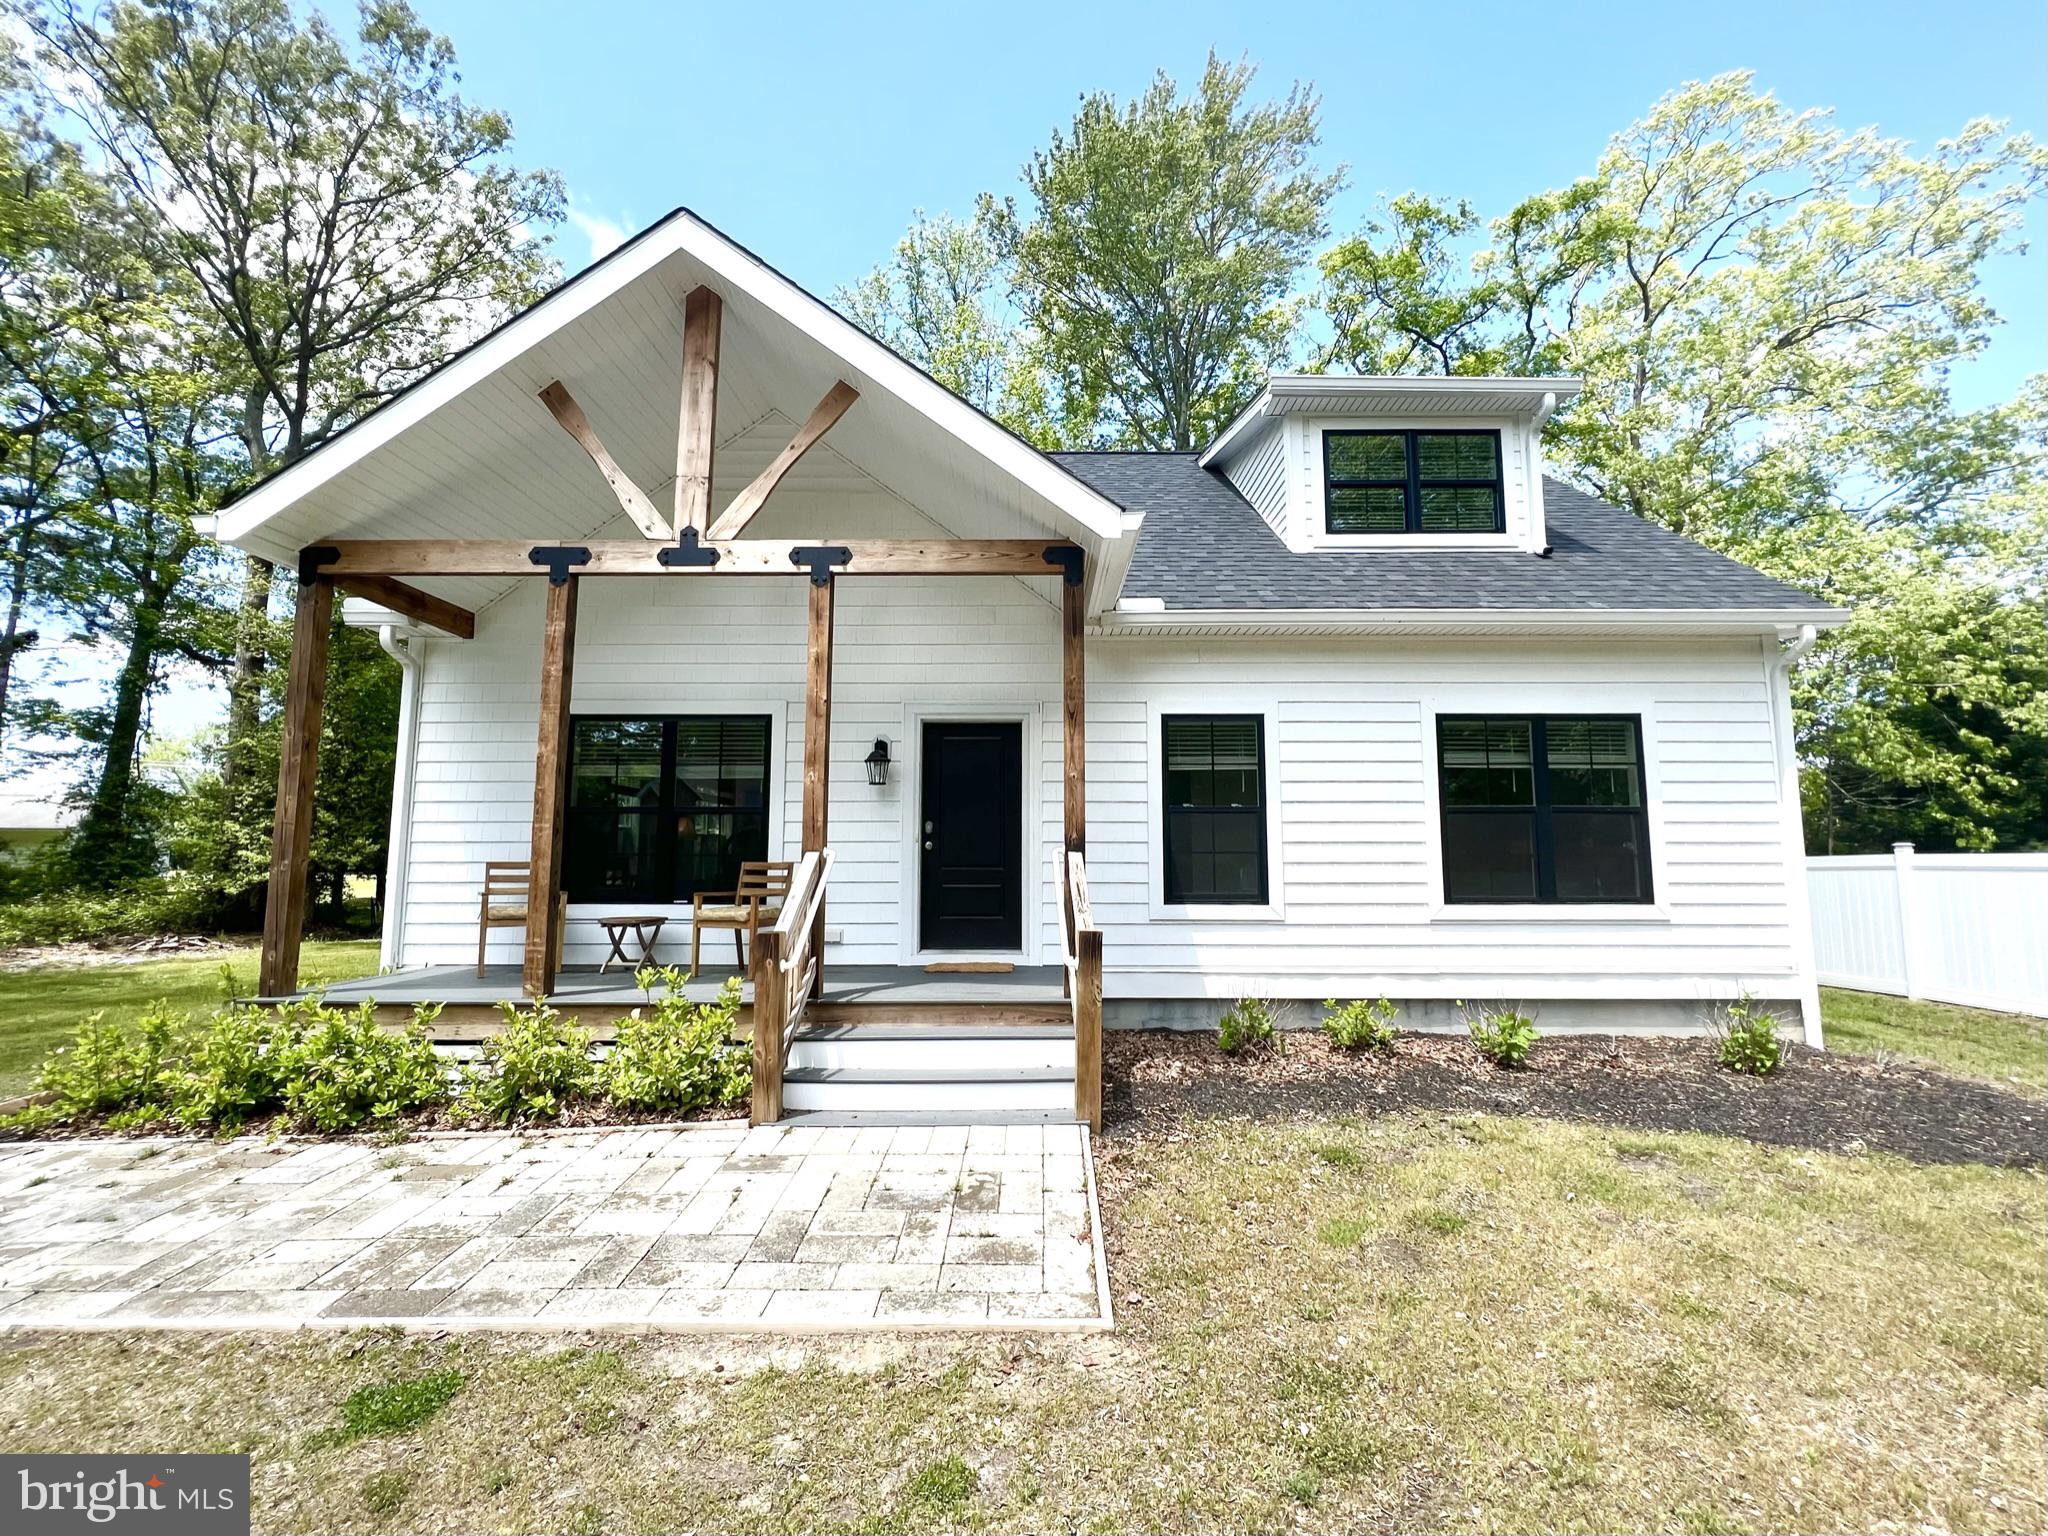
1139 615
410 672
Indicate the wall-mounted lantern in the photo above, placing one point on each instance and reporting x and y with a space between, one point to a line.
878 762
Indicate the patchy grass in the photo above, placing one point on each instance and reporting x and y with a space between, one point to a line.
391 1407
41 1008
1621 1331
2009 1048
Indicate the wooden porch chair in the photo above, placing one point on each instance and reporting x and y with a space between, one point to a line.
508 886
763 885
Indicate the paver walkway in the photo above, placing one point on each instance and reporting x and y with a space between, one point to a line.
702 1227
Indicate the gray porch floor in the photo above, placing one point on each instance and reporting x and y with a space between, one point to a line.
583 986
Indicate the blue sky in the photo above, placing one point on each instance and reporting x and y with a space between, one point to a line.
810 131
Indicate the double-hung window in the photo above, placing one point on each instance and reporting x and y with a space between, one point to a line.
1543 808
663 807
1213 809
1412 482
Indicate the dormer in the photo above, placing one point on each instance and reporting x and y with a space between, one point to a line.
1339 461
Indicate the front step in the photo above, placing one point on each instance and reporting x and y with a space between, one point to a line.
906 1070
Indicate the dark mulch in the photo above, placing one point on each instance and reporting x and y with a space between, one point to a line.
1156 1081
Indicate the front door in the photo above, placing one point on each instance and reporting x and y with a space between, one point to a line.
971 885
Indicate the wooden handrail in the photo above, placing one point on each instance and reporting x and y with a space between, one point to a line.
1081 942
786 964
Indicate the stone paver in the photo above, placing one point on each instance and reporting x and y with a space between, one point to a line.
699 1227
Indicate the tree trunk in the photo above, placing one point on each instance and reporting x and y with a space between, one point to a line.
108 844
245 682
11 640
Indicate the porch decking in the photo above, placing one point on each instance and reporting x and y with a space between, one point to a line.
883 994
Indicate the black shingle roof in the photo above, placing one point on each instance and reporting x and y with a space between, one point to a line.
1204 546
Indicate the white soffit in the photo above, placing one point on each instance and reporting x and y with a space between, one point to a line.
1366 395
470 452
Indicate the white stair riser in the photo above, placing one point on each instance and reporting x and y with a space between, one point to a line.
846 1098
991 1055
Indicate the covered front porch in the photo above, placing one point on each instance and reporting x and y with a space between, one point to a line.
480 518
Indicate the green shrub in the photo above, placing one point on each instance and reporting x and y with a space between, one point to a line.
531 1070
1247 1025
343 1069
1505 1036
111 1069
678 1055
168 904
233 1070
1359 1025
1749 1038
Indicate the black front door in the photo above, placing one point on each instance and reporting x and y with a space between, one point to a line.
971 894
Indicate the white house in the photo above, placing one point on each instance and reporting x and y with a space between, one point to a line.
1354 702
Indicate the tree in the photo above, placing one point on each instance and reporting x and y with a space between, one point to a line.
347 217
1157 252
938 302
1766 310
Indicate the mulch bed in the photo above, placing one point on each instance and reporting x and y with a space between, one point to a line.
1157 1081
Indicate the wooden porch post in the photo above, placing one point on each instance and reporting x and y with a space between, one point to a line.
1074 715
818 746
550 790
298 763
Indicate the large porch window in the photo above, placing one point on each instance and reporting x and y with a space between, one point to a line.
662 807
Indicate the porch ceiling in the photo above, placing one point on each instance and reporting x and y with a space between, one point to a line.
472 453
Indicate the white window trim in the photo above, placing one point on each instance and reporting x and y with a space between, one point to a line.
1030 716
1523 525
1211 701
777 711
1544 699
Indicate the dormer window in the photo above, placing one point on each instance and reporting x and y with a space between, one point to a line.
1412 482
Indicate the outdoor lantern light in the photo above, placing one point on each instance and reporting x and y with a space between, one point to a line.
878 762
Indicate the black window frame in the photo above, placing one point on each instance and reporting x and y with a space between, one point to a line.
667 888
1172 896
1412 483
1541 809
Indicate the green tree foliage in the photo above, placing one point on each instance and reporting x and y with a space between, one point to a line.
1156 255
939 301
1766 310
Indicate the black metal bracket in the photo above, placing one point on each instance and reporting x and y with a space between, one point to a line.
687 550
311 558
1068 558
558 558
820 558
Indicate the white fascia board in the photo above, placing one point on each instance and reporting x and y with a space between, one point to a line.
1135 620
1538 396
1240 424
682 231
1107 571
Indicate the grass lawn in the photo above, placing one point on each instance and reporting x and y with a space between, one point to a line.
2006 1047
40 1009
1418 1321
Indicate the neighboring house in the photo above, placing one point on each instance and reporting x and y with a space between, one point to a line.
1354 702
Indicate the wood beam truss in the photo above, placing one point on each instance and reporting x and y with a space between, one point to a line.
637 503
346 559
749 501
697 432
421 607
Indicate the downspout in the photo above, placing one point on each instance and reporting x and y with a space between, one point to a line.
1778 672
401 794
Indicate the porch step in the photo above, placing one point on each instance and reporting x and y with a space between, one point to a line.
838 1117
961 1050
900 1089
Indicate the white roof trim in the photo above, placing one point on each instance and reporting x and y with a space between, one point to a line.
682 231
1418 393
1139 620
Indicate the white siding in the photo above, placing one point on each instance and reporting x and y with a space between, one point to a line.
1260 474
1355 859
986 646
1355 862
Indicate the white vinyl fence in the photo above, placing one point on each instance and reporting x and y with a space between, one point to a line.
1968 928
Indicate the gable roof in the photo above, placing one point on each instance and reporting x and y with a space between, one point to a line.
469 451
1204 548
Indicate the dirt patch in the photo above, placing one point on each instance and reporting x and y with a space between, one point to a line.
130 951
1154 1082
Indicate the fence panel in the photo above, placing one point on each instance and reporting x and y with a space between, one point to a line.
1968 928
